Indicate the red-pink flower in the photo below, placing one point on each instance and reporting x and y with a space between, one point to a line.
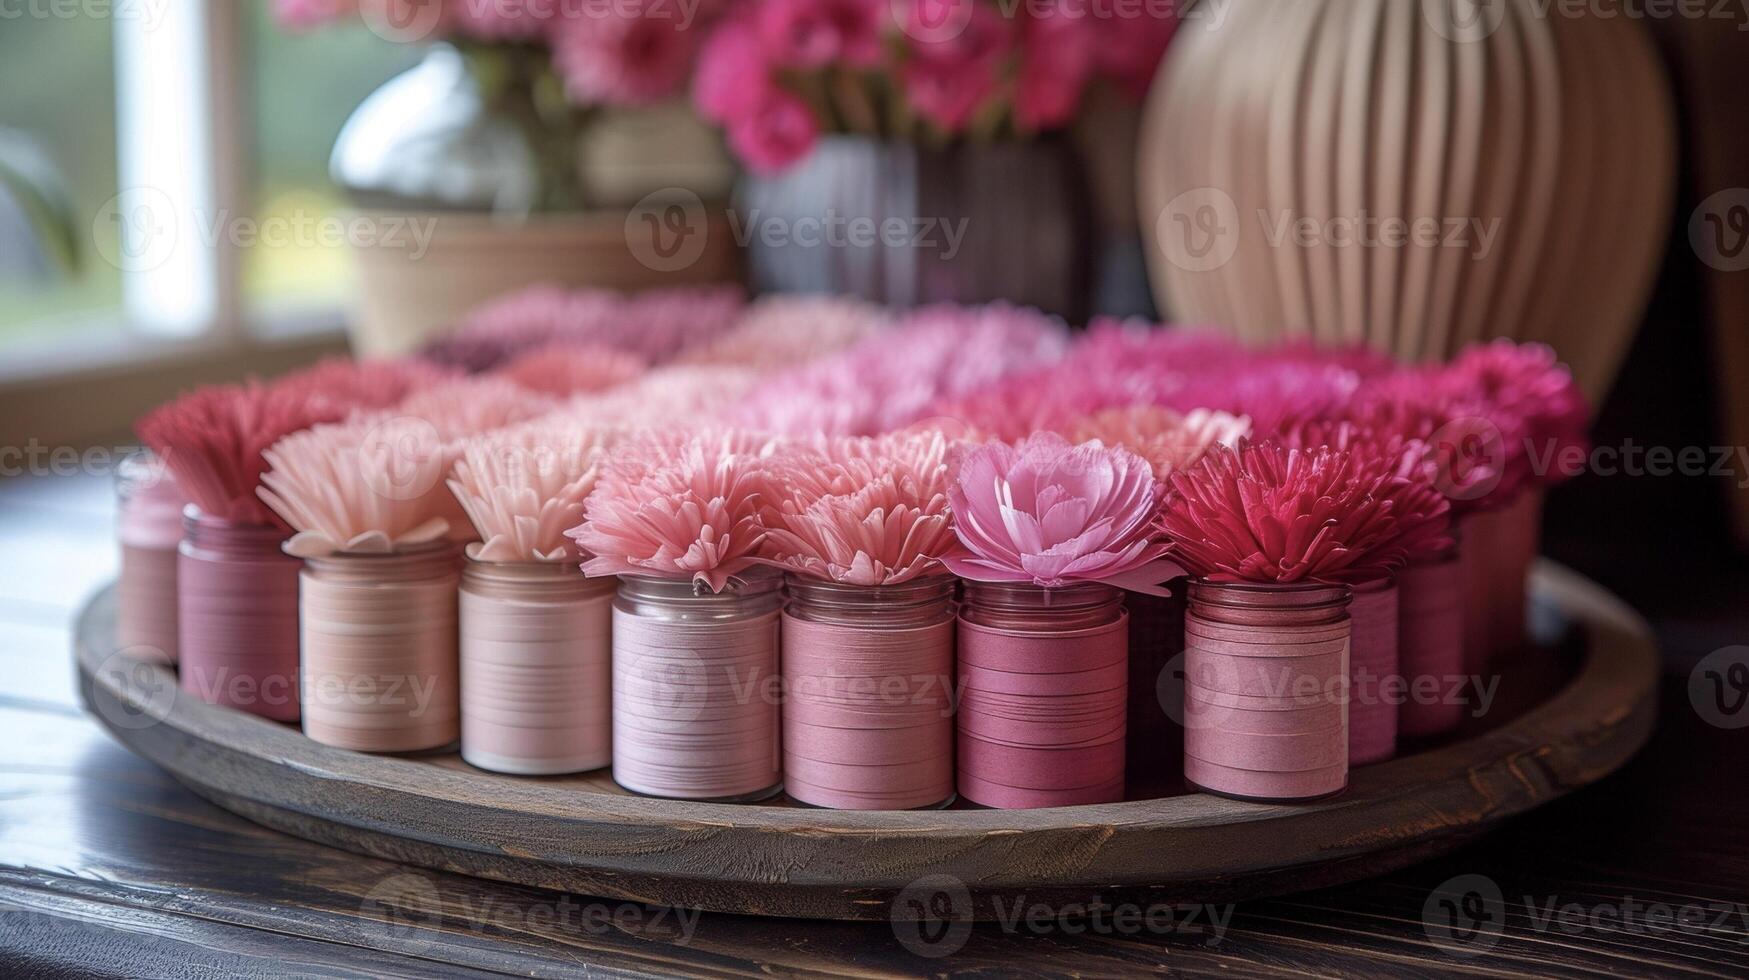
1267 513
1131 44
677 506
775 134
622 61
950 76
1528 381
1052 513
1056 63
816 33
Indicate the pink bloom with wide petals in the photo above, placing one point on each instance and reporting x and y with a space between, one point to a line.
816 33
678 506
774 134
1052 513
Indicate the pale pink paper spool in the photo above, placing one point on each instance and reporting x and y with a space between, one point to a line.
1044 682
149 508
1374 673
697 687
237 616
536 668
868 679
1430 631
380 670
1276 733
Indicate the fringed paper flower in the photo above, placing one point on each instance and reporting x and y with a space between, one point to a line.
562 370
212 440
1167 440
1052 513
366 385
1267 513
894 378
372 485
1477 449
1528 381
861 511
471 406
783 331
695 396
523 487
655 325
677 506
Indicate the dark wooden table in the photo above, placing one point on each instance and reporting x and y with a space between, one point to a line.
109 868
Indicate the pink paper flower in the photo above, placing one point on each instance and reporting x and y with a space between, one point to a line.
733 78
1527 381
816 33
775 133
784 330
471 406
860 511
212 439
678 506
1168 440
523 487
367 486
366 385
562 370
1056 63
623 60
1052 513
1266 513
656 324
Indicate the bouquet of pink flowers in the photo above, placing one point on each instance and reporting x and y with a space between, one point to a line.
777 73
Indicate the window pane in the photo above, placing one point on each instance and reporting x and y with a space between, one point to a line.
57 123
304 86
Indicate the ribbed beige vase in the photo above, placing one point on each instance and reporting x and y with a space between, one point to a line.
1413 174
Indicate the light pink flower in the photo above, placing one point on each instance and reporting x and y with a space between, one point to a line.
1168 440
471 406
860 511
366 486
622 61
1267 513
816 33
1052 513
523 487
775 133
562 370
783 330
677 506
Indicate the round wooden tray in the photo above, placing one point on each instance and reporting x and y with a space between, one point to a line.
1566 716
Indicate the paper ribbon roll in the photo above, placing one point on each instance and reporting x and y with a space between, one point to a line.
1373 670
146 603
381 670
869 716
1042 715
1430 630
1266 711
237 627
695 707
536 681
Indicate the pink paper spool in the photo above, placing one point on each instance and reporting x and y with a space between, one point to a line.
1430 630
1266 690
696 688
868 675
237 616
536 668
149 529
1043 675
1374 673
380 650
1514 536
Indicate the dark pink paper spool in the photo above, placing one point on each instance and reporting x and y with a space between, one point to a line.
1430 627
1373 669
696 688
1250 743
1497 548
237 613
381 670
1045 671
868 674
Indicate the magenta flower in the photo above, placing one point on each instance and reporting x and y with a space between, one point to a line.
677 506
622 61
815 33
1528 382
1056 63
1267 513
774 134
1052 513
733 77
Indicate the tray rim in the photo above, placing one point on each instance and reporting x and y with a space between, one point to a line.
842 864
